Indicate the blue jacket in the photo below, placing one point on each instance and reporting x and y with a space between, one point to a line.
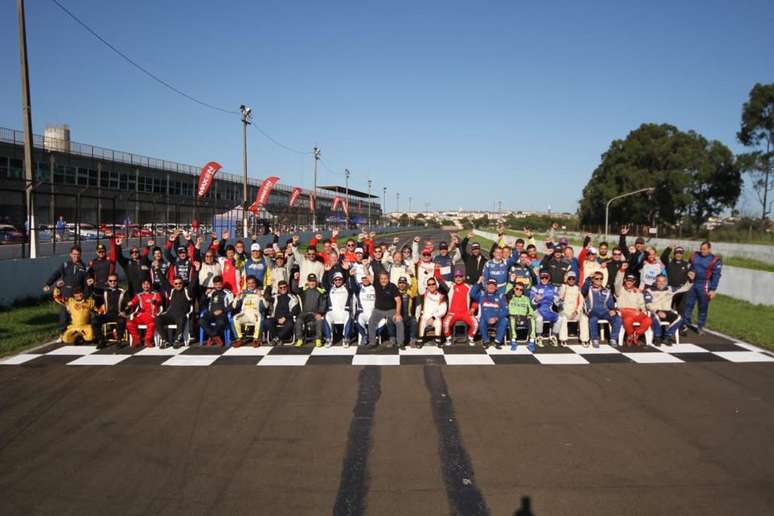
489 305
446 265
498 272
596 301
707 269
255 268
549 293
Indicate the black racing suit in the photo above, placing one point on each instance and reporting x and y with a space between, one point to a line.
284 306
136 271
677 275
215 319
114 301
179 305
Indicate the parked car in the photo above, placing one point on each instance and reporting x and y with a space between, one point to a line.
10 235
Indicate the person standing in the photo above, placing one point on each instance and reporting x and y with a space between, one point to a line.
707 267
72 274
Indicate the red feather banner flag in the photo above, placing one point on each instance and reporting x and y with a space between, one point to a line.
336 201
311 202
294 196
345 207
265 190
205 178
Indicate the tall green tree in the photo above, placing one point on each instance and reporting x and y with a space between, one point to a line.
692 178
757 131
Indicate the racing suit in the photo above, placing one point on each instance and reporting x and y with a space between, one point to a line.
80 318
522 275
521 313
597 304
544 297
113 304
73 274
177 311
497 270
444 271
431 311
284 308
365 299
339 311
312 303
707 269
248 307
99 269
232 274
459 310
631 303
256 268
215 319
648 273
572 311
409 322
491 306
425 271
661 301
147 305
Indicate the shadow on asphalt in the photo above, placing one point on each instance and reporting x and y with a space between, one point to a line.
526 507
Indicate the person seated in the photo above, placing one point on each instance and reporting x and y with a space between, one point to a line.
365 297
460 309
178 309
313 307
431 310
216 304
493 312
599 305
544 296
112 311
387 307
80 308
520 313
143 307
249 307
571 302
339 312
631 302
408 297
285 307
659 301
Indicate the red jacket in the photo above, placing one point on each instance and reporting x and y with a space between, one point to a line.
147 303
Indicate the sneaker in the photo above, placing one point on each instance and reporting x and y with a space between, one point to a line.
471 341
412 343
612 343
595 343
437 341
498 345
448 341
699 330
390 343
317 343
668 341
345 343
554 341
514 345
683 331
217 341
540 342
531 346
178 344
237 343
275 342
329 343
485 344
299 343
373 345
563 343
585 343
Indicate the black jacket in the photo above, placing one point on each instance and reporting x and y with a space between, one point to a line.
115 300
474 265
677 270
313 301
136 271
72 274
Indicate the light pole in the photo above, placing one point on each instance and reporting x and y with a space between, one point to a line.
29 199
314 212
346 213
369 204
607 206
246 116
384 205
409 212
397 202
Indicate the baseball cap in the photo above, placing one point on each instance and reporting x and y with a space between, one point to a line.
337 275
679 249
359 250
563 241
255 247
100 247
570 274
443 245
591 250
491 281
427 252
639 240
475 245
182 249
458 273
402 279
311 277
545 275
630 277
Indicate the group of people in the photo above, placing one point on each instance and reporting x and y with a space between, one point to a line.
366 292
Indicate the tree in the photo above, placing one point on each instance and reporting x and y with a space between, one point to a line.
757 131
692 177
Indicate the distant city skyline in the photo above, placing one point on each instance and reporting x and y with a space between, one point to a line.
451 103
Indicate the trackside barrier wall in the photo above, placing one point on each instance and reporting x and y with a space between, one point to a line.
24 278
749 285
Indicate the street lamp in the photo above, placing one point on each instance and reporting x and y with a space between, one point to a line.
346 213
384 206
314 212
607 206
246 117
369 204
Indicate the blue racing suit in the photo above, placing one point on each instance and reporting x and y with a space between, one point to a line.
491 305
256 268
445 268
707 269
497 271
597 304
543 298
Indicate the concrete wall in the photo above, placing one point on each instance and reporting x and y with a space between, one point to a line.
24 278
746 284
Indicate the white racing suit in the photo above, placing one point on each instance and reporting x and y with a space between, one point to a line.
572 311
248 306
339 312
431 311
366 297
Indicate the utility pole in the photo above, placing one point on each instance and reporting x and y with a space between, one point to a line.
409 212
384 205
397 202
246 116
29 199
369 204
346 213
314 212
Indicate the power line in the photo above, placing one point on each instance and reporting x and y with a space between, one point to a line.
139 66
275 142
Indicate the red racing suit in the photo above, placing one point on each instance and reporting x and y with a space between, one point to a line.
459 310
148 306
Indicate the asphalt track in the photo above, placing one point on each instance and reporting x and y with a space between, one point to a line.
605 439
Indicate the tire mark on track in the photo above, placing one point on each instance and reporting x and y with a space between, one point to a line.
353 487
465 497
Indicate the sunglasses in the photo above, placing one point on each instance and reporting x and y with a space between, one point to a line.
283 287
134 251
432 285
596 278
112 281
350 245
178 284
518 289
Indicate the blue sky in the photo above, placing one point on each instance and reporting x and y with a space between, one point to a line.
452 103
